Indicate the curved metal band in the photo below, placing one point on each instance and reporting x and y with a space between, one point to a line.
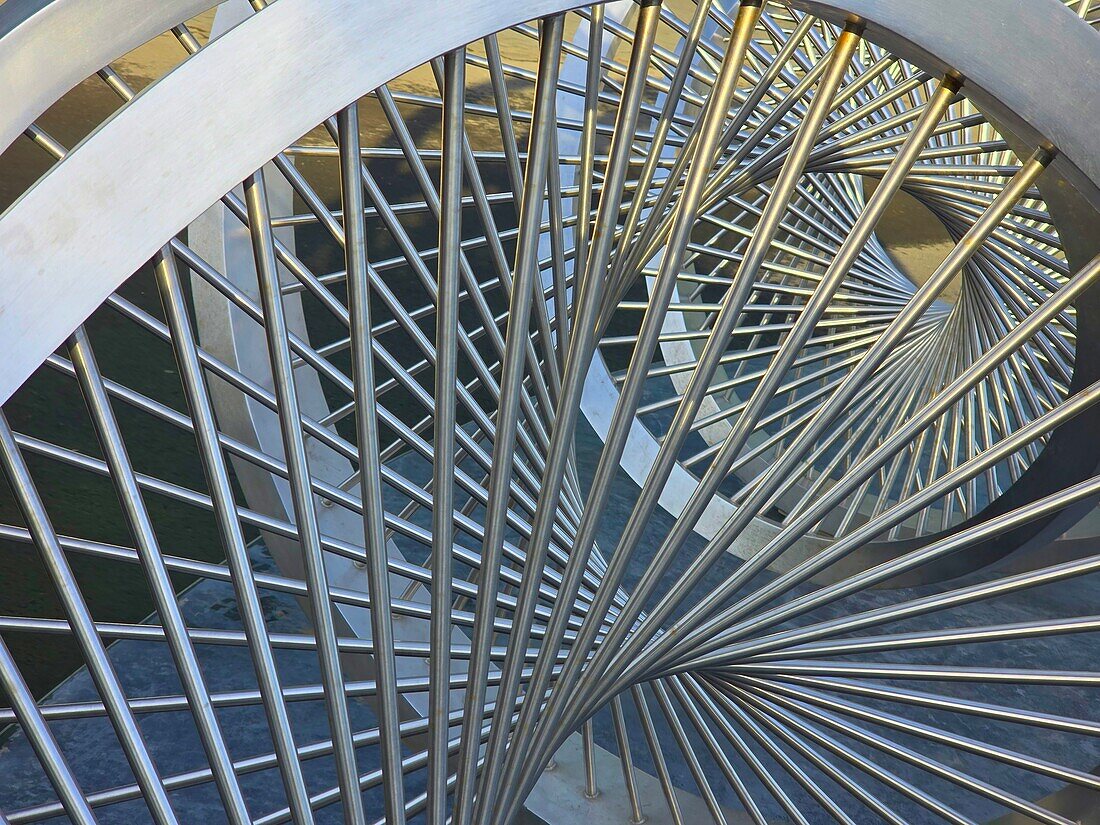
1058 57
74 39
82 229
58 238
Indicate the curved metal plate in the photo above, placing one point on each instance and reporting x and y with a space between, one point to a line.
83 228
1044 90
116 198
74 39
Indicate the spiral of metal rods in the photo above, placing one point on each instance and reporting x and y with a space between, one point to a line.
669 210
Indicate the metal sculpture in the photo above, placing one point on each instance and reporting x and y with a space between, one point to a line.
580 408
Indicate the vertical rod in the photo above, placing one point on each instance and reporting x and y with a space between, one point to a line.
370 483
446 326
225 512
588 755
160 583
656 751
301 492
526 269
582 232
589 295
626 760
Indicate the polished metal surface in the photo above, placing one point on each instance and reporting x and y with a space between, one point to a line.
544 395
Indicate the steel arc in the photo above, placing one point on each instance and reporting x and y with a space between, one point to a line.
420 412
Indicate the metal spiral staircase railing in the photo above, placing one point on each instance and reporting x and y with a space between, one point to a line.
557 405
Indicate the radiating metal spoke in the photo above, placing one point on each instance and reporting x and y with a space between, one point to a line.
685 407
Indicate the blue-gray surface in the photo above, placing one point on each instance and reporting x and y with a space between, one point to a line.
147 671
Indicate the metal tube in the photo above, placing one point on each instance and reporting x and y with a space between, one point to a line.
450 236
224 507
160 583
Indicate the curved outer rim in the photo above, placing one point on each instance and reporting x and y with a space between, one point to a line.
25 48
58 239
1056 53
